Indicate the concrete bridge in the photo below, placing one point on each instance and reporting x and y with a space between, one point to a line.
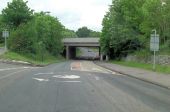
72 43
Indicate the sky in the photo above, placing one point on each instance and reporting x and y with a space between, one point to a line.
73 14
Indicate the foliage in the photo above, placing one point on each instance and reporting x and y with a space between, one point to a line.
41 35
69 33
1 29
132 21
16 13
26 58
85 32
159 68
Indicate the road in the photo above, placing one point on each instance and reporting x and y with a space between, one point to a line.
76 86
88 53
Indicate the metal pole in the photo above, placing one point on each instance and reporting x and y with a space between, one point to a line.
154 60
5 44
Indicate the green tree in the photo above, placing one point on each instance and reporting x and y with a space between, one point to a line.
16 12
1 29
94 34
69 33
121 32
39 36
83 32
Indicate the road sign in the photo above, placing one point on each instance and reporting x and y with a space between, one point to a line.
5 34
154 42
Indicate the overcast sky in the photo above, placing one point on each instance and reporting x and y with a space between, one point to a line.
72 13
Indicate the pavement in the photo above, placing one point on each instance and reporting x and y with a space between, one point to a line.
159 79
77 86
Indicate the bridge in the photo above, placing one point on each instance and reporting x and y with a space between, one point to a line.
72 43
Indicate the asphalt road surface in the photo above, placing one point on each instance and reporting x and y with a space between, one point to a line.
88 53
76 86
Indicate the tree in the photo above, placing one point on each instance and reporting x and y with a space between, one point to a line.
69 33
94 34
16 13
83 32
121 32
39 36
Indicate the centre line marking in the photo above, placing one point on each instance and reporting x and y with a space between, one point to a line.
11 74
70 81
14 68
50 73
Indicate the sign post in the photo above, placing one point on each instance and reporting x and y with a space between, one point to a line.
5 34
154 46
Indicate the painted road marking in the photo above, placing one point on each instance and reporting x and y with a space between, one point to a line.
70 81
67 76
76 66
11 74
41 80
50 73
14 68
97 78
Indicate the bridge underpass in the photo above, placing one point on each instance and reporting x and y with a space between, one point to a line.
72 43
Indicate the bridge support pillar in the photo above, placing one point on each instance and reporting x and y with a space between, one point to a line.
67 52
70 52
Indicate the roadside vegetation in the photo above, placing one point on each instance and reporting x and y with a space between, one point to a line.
146 66
48 59
128 24
127 27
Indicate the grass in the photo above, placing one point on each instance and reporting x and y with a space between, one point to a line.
47 60
1 45
159 68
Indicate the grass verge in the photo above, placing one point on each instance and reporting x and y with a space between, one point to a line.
159 68
48 59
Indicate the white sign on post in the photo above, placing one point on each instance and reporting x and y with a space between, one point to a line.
154 42
5 34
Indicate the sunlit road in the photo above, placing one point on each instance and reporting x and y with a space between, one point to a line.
76 86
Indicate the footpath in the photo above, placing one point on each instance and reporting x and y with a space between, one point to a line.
159 79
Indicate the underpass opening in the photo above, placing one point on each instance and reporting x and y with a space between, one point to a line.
87 53
82 48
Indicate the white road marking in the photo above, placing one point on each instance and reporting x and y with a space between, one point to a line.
67 76
97 78
14 68
70 81
114 73
50 73
11 74
41 80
